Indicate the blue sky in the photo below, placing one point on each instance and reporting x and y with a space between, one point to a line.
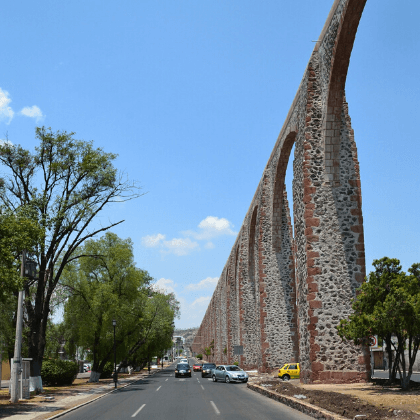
192 96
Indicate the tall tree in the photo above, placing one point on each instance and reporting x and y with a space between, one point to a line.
388 305
101 289
153 333
67 183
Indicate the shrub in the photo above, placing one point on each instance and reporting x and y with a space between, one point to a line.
107 370
58 372
236 363
199 356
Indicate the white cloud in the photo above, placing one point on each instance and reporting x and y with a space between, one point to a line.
4 142
211 227
209 282
152 241
192 314
6 112
32 112
180 246
201 301
167 285
208 228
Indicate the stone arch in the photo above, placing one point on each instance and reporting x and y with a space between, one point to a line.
282 298
251 251
343 45
279 188
236 332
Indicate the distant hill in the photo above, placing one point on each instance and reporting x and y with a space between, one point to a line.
188 335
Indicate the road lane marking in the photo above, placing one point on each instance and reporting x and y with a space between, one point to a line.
166 379
159 388
202 387
138 411
215 408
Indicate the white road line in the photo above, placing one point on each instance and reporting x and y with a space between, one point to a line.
159 388
166 379
202 387
138 411
215 408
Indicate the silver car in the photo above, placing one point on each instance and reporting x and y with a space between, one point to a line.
229 373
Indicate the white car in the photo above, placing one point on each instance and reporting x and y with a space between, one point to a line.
184 361
229 373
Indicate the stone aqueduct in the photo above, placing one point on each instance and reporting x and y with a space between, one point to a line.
281 295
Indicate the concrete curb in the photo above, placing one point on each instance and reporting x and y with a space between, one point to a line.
303 407
100 396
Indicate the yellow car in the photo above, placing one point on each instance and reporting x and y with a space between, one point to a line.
289 371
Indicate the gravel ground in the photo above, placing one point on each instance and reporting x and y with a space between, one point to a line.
376 400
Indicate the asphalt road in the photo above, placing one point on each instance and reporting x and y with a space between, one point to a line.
162 396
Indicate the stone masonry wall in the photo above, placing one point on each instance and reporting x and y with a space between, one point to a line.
283 292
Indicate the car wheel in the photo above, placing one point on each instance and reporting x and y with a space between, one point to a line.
214 378
227 379
286 378
245 381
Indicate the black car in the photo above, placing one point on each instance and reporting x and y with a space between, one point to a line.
182 369
207 369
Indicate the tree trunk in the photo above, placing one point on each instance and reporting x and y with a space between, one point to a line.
94 376
389 353
37 321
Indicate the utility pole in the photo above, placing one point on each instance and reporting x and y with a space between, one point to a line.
17 362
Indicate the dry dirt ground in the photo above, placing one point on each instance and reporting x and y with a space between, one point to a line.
376 400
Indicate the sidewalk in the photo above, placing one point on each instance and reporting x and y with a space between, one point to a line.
57 400
5 384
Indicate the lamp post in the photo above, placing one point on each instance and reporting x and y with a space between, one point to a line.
114 323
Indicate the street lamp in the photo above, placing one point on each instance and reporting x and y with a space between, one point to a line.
114 323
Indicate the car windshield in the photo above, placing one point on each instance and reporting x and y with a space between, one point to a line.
182 366
209 365
233 368
198 364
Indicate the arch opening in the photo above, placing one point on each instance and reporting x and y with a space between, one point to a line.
251 251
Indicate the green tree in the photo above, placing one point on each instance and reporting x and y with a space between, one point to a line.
103 288
153 335
55 338
66 183
388 305
19 231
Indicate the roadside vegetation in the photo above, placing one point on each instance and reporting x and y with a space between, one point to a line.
388 305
